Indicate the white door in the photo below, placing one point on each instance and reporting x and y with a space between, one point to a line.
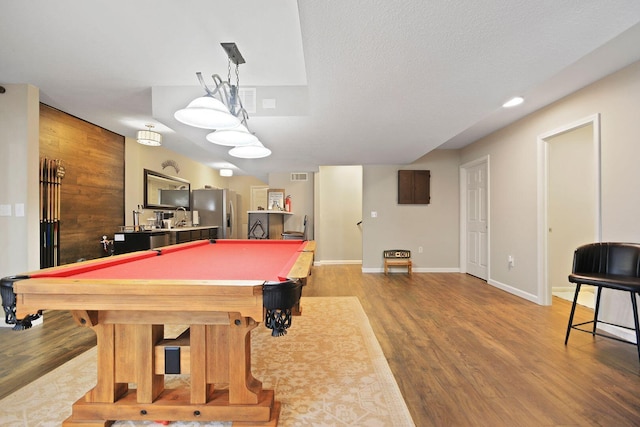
476 220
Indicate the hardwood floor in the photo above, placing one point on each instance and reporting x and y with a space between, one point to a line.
463 353
27 355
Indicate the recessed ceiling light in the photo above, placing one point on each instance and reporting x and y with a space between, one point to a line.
517 100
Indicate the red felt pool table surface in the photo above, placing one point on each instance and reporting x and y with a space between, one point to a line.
265 260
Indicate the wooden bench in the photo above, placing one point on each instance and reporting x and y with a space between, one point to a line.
611 266
397 258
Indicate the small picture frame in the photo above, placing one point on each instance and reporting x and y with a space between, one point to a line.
275 199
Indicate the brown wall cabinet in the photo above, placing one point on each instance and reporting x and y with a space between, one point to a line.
413 187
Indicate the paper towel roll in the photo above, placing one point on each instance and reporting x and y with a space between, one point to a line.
195 220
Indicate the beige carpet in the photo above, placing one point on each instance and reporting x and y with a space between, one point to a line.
328 370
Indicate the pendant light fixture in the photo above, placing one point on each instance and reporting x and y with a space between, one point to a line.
149 137
251 151
207 112
237 136
221 110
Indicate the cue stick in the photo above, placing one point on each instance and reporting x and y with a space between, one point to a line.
51 202
49 199
46 212
54 214
58 195
42 161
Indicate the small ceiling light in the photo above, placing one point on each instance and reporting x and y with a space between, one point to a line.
235 137
252 151
226 172
517 100
149 137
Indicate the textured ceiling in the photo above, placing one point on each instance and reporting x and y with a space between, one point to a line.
354 82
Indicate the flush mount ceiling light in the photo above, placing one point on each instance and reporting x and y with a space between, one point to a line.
226 172
234 137
516 100
149 137
252 151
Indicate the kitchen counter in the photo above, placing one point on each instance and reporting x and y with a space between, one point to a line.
190 228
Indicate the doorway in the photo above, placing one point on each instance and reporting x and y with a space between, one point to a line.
474 218
570 208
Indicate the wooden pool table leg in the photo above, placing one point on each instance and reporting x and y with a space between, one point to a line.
107 390
200 388
243 387
245 402
149 384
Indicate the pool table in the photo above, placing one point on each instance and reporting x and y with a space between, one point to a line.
218 288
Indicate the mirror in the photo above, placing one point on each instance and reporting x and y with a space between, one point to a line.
164 191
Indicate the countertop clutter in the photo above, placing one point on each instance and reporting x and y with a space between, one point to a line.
130 229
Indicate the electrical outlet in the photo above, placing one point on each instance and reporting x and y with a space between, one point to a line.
511 261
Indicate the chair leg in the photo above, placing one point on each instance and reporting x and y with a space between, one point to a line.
596 311
634 304
573 311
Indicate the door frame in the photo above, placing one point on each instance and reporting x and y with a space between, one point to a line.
463 212
544 289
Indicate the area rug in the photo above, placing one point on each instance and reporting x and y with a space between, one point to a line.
329 370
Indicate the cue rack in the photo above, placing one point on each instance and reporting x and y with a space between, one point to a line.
51 174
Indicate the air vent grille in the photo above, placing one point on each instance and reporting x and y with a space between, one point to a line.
299 176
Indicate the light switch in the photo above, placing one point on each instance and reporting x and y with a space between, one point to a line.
374 214
5 210
19 209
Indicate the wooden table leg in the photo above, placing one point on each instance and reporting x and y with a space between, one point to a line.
243 387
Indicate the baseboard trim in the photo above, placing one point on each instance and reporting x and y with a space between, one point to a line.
618 332
517 292
403 270
338 262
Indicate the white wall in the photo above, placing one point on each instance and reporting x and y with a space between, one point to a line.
434 227
514 178
19 154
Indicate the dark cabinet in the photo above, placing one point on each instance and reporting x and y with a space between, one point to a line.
414 187
130 242
184 236
140 241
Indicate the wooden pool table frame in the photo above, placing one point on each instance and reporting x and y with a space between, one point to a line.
128 319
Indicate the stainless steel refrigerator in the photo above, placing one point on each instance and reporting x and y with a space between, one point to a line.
217 207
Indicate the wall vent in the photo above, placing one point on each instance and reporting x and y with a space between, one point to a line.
299 176
248 97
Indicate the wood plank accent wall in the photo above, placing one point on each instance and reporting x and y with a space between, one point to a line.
92 191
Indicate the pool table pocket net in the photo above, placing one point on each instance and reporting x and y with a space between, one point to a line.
278 298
